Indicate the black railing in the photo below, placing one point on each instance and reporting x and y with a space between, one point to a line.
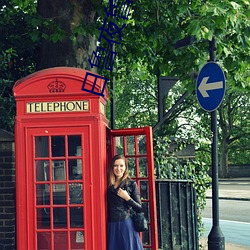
176 211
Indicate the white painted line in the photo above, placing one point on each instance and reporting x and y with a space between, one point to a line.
239 222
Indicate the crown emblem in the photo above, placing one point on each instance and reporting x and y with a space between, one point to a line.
56 86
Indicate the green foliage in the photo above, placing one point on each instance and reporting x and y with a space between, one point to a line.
15 32
234 117
135 98
7 106
17 55
157 25
193 170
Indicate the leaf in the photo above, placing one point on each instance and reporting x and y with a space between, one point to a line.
194 28
34 36
206 33
235 5
219 11
226 51
246 2
56 37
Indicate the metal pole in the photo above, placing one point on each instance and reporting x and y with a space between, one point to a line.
212 49
216 240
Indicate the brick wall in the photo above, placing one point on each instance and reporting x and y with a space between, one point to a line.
7 191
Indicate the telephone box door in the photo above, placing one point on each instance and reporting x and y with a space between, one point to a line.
59 188
136 145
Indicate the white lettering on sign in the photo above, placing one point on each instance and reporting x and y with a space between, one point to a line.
49 107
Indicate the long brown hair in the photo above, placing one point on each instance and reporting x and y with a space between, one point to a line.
111 175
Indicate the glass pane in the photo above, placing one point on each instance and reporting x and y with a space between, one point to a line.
41 146
130 145
75 193
42 170
141 139
75 169
58 171
77 240
43 218
146 237
131 167
60 217
143 164
74 145
145 209
59 194
61 240
119 145
76 217
144 190
40 194
43 241
57 146
46 195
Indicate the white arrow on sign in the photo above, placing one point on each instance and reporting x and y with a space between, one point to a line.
204 86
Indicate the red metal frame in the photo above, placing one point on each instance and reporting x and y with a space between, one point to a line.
91 124
32 183
135 132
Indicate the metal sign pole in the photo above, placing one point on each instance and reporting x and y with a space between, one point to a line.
216 240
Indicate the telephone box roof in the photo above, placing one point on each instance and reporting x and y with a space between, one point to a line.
37 84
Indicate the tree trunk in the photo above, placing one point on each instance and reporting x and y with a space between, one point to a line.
223 166
72 51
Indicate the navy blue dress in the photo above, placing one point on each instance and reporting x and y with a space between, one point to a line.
121 231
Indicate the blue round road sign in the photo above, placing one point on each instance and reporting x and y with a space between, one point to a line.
210 86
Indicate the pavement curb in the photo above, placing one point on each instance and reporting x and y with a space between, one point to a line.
230 198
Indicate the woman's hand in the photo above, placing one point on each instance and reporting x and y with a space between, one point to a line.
123 194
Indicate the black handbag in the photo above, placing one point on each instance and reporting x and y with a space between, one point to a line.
140 222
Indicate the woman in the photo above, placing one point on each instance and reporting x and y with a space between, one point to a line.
122 195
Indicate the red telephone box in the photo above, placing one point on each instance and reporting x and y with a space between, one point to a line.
63 145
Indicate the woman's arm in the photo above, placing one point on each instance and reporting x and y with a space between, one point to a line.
133 200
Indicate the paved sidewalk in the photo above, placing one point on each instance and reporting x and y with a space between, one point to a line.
228 246
242 193
230 194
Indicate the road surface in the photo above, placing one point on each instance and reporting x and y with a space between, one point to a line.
234 212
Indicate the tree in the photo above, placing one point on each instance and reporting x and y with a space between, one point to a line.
156 29
69 39
158 25
17 54
54 33
226 21
234 119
